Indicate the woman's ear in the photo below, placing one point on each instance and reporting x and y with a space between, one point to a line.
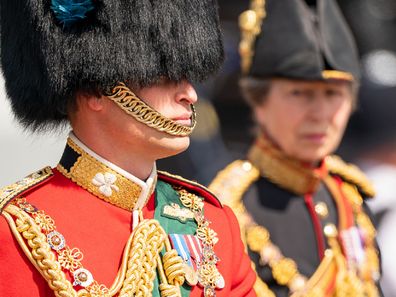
259 114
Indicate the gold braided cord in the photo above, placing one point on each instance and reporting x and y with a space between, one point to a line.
230 186
41 255
147 243
355 282
371 267
137 271
173 267
208 274
250 22
166 289
350 173
143 113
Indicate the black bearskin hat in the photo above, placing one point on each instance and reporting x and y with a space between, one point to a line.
52 48
301 41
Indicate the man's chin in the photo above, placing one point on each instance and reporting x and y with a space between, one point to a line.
173 146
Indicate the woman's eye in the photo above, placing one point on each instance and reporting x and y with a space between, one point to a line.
296 92
333 92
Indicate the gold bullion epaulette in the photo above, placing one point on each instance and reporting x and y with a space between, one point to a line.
351 174
232 182
14 190
189 185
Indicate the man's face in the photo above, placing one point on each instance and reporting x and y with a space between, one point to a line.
306 119
172 100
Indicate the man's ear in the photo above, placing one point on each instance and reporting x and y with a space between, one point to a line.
90 101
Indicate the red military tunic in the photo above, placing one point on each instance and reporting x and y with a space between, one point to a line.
100 231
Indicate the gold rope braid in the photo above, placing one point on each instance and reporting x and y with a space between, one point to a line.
171 274
361 282
371 270
138 266
149 240
351 173
230 185
41 256
143 113
348 283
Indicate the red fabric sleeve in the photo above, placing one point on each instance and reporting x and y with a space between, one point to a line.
18 277
244 276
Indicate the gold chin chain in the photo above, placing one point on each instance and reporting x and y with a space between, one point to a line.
134 106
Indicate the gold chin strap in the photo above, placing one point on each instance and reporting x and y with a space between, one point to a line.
143 113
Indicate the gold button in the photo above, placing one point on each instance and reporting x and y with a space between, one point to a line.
329 253
298 283
247 166
330 230
321 210
82 276
248 20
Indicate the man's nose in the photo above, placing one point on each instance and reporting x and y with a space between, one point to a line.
186 93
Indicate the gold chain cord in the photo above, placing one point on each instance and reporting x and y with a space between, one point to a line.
208 274
135 107
138 268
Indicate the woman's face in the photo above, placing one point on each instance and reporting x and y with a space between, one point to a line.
306 119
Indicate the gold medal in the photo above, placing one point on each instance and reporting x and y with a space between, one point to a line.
190 274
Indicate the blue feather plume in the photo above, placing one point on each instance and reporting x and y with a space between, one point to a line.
70 11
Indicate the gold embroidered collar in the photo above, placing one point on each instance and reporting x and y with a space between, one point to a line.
287 173
104 179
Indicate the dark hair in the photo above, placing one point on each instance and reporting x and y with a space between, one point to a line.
254 90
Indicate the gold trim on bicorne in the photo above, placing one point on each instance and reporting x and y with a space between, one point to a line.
337 75
250 22
119 191
285 172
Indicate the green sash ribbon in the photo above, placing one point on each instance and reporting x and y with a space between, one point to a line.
166 195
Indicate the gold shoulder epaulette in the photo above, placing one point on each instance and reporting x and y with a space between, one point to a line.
10 192
233 181
190 185
350 173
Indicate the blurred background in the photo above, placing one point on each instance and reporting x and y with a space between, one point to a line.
225 128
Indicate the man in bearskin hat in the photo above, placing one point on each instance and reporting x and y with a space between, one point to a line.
104 222
302 210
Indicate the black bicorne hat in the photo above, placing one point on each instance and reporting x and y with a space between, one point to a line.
289 38
52 48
